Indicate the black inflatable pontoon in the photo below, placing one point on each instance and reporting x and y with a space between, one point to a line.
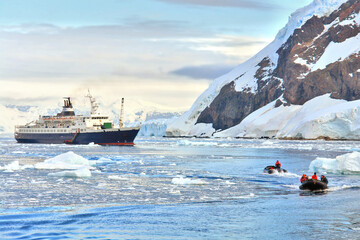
273 169
313 185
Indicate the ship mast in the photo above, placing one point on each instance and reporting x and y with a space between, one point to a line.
94 105
121 114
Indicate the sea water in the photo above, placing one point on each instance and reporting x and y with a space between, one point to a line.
177 189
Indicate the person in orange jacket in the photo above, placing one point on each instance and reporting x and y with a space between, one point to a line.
314 176
304 178
278 164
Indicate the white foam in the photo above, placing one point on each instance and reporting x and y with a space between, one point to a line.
344 164
292 186
180 180
79 173
68 160
285 174
11 166
14 166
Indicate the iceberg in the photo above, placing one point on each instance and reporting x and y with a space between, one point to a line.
344 164
68 160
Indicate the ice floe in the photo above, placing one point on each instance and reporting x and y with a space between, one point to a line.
344 164
180 180
119 178
79 173
195 143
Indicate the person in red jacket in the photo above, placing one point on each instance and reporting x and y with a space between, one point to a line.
278 164
314 176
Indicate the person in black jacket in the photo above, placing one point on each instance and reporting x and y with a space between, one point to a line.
324 179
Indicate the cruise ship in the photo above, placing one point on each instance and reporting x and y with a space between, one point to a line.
66 127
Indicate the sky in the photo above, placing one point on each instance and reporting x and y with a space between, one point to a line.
161 54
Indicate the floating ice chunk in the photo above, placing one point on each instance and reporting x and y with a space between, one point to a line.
251 195
79 173
100 161
344 164
187 181
268 142
68 160
229 183
18 152
119 178
195 143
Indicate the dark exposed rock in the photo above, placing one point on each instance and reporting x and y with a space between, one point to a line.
278 103
294 80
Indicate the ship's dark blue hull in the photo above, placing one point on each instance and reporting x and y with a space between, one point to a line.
104 137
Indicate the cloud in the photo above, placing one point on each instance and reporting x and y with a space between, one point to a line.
137 59
203 72
226 3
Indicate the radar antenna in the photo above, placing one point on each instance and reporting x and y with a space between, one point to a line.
121 124
94 105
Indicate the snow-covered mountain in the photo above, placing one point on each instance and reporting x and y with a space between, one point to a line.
305 84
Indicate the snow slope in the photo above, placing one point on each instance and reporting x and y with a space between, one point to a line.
321 116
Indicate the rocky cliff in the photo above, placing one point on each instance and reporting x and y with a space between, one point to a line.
317 53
